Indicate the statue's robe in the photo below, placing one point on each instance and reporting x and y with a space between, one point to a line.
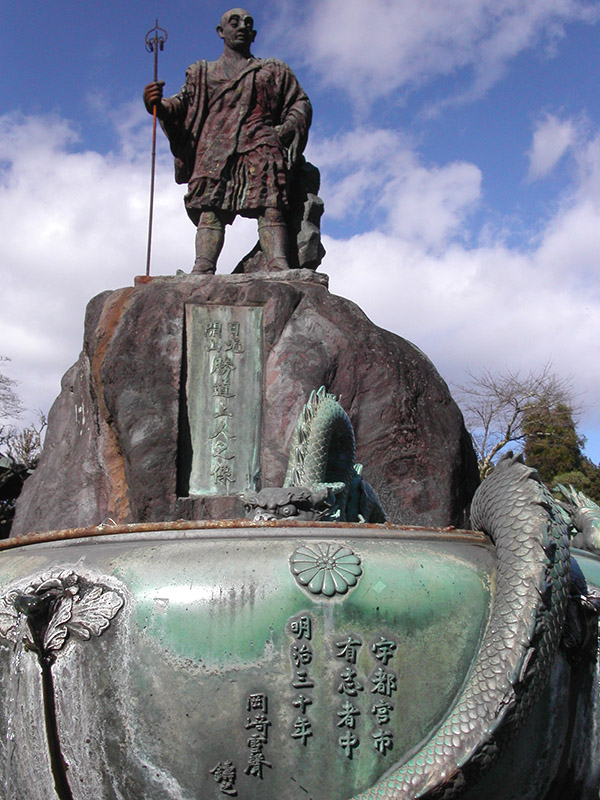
223 135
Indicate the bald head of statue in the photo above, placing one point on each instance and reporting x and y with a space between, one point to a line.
237 30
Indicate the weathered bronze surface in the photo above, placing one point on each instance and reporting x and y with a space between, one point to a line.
590 565
322 480
41 617
203 662
222 668
181 660
237 129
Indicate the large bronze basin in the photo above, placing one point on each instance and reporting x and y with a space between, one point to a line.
188 661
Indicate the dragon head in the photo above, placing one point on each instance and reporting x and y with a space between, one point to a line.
288 502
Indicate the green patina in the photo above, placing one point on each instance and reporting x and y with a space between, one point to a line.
590 566
182 606
210 619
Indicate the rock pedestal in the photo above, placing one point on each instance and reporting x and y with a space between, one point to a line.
128 438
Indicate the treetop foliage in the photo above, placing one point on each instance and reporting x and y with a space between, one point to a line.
552 444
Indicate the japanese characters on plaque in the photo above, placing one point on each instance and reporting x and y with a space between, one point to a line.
224 364
365 701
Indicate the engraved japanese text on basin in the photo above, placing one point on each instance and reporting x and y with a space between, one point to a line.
224 674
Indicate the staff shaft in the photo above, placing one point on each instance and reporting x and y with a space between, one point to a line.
153 44
152 172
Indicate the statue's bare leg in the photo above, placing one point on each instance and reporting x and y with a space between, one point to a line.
209 242
273 237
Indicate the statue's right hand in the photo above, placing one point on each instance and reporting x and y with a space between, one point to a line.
153 93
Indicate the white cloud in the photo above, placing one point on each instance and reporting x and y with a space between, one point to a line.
354 165
483 303
552 138
429 205
370 49
484 307
74 224
377 175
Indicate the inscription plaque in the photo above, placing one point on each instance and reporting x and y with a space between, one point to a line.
224 397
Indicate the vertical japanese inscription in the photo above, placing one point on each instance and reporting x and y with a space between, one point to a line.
258 725
349 687
224 397
356 691
365 696
384 683
301 656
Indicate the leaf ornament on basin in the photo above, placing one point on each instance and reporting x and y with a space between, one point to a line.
57 606
327 569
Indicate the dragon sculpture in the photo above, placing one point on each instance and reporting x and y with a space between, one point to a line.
540 601
583 516
525 628
322 481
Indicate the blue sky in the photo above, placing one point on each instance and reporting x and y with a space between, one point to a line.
459 146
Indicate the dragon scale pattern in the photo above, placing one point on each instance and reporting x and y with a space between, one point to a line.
521 637
322 482
322 422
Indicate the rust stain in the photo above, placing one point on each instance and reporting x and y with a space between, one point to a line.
379 530
112 313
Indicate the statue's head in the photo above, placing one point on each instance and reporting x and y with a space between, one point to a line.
237 29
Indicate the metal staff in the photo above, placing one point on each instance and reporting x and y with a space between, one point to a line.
153 45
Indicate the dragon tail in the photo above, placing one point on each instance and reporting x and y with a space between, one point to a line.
517 649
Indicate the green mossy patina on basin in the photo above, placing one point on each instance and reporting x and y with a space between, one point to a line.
221 660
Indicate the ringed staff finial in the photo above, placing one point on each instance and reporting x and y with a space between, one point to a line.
155 41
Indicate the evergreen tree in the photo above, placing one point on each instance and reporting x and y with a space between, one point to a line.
552 444
554 447
586 479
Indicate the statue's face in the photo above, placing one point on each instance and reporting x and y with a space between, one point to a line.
237 29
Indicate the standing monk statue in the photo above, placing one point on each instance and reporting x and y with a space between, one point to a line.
237 129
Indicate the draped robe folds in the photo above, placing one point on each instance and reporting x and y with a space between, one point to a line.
222 135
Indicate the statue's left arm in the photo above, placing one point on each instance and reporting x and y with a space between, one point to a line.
294 113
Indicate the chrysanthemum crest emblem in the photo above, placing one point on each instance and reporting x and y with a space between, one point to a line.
327 569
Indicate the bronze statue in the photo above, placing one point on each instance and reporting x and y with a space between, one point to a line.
237 129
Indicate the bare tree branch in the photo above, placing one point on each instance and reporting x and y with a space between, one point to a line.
19 449
495 406
10 404
25 446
